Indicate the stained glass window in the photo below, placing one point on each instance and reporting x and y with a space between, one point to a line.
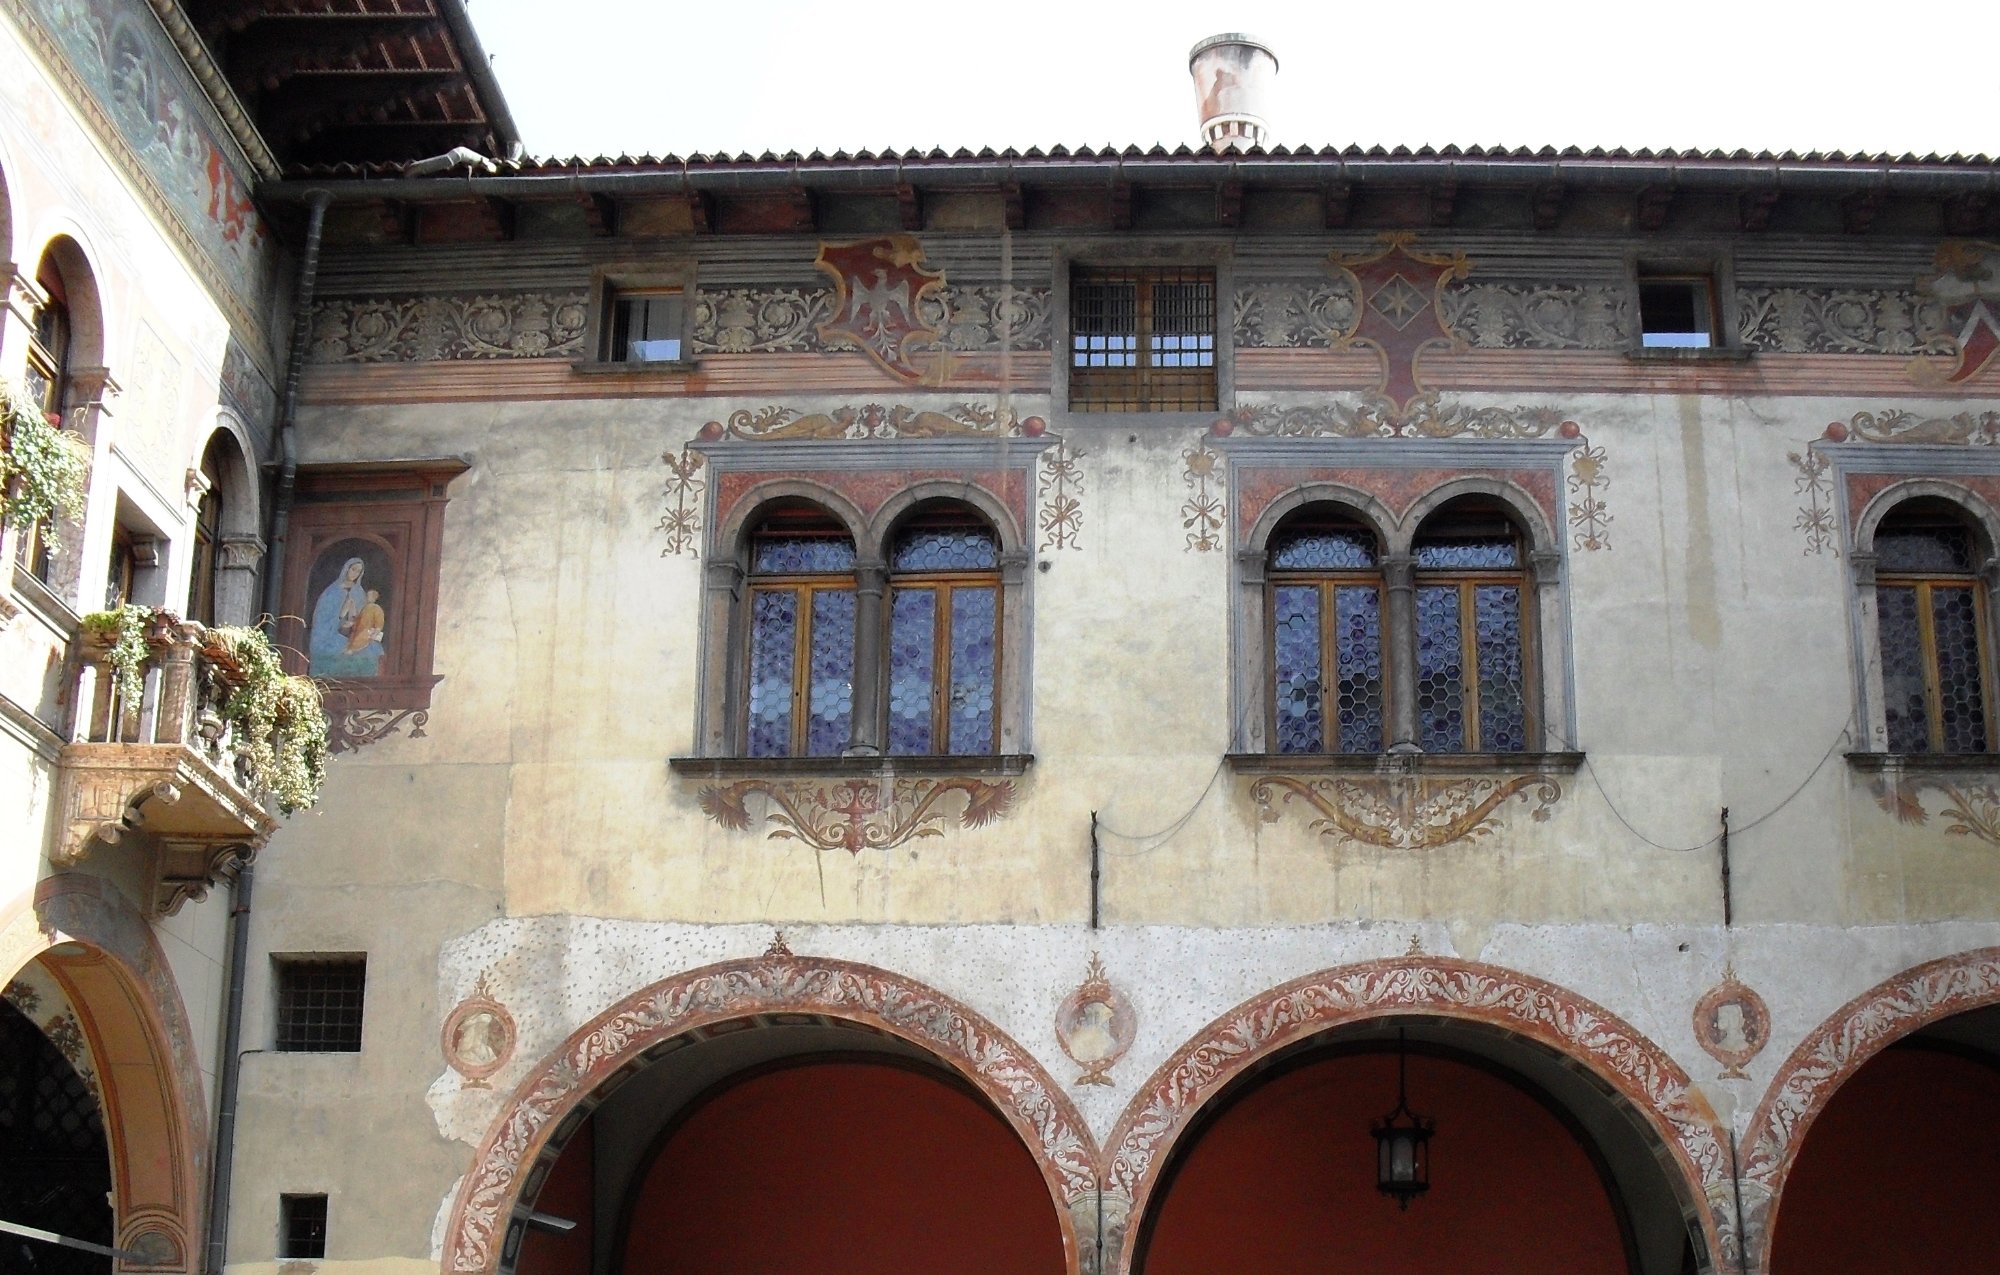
1326 637
944 636
800 697
1930 615
1473 671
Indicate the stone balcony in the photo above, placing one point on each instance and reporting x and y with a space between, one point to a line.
163 777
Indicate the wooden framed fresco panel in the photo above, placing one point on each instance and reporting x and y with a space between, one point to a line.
359 613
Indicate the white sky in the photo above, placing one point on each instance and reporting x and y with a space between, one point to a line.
603 76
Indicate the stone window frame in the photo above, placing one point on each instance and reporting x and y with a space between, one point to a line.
1546 640
1125 254
607 283
1714 263
1984 521
721 728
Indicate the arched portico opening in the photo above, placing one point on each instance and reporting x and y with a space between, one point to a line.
1532 1167
1650 1142
1876 1134
83 945
698 1055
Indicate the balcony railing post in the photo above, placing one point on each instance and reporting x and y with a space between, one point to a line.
174 709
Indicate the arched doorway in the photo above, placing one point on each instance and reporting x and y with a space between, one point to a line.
622 1084
1901 1167
822 1148
1533 1167
55 1162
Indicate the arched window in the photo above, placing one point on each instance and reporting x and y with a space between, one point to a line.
944 634
47 382
800 697
1931 617
207 538
1325 581
1474 675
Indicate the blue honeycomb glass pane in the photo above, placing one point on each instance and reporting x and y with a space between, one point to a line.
1923 549
1961 698
774 623
801 555
1440 671
830 697
912 661
1322 549
974 640
946 549
1481 553
1902 669
1357 636
1503 704
1295 669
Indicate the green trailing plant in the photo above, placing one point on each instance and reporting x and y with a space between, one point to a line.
43 469
280 717
124 632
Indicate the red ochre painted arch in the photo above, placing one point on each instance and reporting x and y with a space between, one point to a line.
1838 1048
141 1046
1017 1086
1147 1135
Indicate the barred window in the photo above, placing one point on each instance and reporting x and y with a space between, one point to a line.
1325 583
302 1227
1472 666
320 1003
1142 340
1931 617
800 699
944 635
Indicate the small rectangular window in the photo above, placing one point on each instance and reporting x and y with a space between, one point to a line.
302 1226
1677 312
319 1004
646 326
1142 340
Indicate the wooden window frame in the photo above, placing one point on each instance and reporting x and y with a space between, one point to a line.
944 584
1924 583
1467 581
1327 581
802 586
1144 387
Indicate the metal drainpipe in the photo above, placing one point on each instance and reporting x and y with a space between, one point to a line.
215 1228
288 406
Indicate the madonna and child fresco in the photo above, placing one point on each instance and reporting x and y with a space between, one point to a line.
349 614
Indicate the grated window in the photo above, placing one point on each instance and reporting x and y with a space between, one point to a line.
1142 340
1930 614
302 1226
319 1004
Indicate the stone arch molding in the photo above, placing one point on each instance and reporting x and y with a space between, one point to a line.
1609 1048
1836 1049
138 1033
1023 1091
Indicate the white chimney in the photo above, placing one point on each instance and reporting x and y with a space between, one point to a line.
1232 83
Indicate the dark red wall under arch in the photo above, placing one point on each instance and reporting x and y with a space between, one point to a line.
1283 1182
1900 1172
844 1168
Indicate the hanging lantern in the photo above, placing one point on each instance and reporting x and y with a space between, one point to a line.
1402 1155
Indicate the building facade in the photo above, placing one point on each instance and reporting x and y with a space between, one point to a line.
1007 711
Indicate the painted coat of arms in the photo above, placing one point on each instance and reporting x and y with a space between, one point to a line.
881 292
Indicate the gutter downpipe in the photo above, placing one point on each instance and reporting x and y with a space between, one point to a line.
215 1227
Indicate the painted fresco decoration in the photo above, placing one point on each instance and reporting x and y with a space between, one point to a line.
1966 282
857 814
1814 468
682 519
1403 812
429 328
361 582
479 1036
1732 1024
1095 1025
879 286
1060 490
1400 316
1791 320
352 591
872 420
1497 315
1971 809
134 86
971 318
35 993
1201 512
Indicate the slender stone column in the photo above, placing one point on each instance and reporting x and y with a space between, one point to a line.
871 585
1399 658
